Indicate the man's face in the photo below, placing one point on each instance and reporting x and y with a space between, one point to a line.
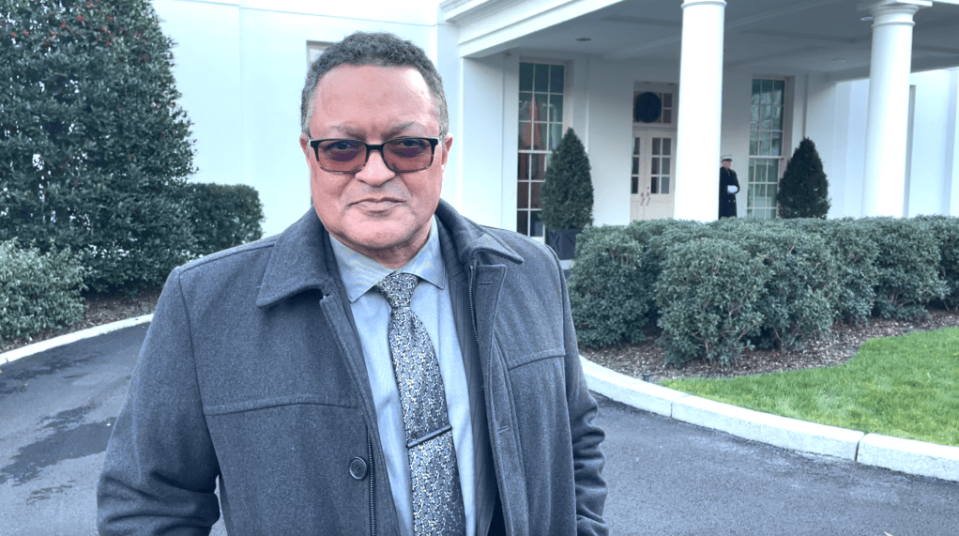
727 163
380 213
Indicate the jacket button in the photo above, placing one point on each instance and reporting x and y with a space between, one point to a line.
358 468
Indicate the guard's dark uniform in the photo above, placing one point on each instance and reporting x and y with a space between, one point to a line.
727 201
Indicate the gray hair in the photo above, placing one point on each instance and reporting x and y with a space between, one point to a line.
380 49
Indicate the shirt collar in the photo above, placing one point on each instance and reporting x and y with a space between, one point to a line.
360 273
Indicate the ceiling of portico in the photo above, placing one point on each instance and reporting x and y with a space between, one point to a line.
776 36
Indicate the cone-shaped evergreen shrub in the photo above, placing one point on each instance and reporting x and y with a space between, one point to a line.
567 187
804 190
93 146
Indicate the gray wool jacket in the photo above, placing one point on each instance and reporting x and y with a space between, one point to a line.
252 376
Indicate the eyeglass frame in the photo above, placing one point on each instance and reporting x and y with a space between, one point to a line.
315 144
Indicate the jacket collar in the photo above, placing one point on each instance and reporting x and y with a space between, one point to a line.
302 258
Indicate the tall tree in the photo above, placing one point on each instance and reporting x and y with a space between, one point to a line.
93 145
804 190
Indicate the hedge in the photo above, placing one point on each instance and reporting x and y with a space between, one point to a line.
697 281
37 291
93 142
223 216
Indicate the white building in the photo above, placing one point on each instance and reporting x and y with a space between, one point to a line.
656 89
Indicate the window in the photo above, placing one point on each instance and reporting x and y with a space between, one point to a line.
653 108
541 88
765 147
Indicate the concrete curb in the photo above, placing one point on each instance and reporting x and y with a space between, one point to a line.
903 455
42 346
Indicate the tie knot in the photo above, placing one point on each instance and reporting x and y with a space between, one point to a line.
398 289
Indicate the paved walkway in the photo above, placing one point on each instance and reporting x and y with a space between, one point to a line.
665 476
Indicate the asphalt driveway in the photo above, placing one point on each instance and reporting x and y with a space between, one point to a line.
665 477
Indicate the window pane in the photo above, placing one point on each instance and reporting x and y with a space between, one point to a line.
764 143
538 167
635 166
541 78
536 195
665 166
541 105
656 149
522 194
757 90
664 183
634 185
779 91
778 117
654 185
667 116
766 121
667 147
525 136
776 139
539 136
526 77
522 222
555 134
767 87
754 117
753 143
556 78
668 100
536 226
556 108
525 106
635 146
654 166
522 173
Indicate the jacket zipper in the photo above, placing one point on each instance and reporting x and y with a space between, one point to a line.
369 444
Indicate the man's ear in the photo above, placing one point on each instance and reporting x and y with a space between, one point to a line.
447 145
307 150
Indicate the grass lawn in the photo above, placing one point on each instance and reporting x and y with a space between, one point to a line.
905 386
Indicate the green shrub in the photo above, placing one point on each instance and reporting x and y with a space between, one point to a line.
567 187
800 298
706 296
804 191
610 292
855 248
37 291
946 230
92 142
908 266
223 216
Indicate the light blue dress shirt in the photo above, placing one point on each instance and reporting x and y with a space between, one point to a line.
431 303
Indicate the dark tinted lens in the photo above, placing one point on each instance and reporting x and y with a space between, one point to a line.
341 155
409 154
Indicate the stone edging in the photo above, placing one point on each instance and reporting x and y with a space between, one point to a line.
42 346
903 455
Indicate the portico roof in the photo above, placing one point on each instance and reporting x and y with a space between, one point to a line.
782 36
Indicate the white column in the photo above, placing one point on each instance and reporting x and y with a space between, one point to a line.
888 116
700 111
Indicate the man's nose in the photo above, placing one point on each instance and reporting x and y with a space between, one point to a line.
375 171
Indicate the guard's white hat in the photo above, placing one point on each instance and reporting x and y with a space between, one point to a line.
726 157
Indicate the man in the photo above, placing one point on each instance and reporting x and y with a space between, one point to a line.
728 188
272 368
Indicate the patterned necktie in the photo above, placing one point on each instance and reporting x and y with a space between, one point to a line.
437 497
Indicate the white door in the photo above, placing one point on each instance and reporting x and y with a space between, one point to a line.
651 182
